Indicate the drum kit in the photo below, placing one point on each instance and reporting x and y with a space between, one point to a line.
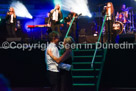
124 21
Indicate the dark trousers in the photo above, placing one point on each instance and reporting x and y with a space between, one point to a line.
66 80
54 80
109 28
55 27
114 35
11 30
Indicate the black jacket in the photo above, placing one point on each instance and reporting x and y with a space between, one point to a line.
8 18
60 16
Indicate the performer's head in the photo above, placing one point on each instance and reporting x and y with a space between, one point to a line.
110 5
123 6
54 37
68 41
11 9
57 7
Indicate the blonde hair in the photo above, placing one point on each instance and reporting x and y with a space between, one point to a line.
112 8
69 40
13 12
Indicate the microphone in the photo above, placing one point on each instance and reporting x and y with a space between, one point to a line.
8 12
80 14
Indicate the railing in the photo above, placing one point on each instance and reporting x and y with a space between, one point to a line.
70 27
98 41
104 56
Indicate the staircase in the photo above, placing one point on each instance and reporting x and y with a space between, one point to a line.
85 77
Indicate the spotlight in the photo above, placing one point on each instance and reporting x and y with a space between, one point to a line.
20 9
57 2
77 6
90 15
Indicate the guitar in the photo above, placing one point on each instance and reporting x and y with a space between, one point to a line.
74 15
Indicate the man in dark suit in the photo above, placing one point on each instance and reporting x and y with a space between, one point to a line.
55 17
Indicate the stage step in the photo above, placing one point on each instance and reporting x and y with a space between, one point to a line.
84 84
84 77
87 56
85 69
86 63
32 89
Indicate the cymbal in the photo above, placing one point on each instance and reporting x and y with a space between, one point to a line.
128 8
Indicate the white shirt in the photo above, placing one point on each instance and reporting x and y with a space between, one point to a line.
52 65
109 14
11 20
55 15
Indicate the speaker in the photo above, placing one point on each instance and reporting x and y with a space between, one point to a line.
130 38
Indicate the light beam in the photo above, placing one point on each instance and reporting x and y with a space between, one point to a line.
20 9
77 6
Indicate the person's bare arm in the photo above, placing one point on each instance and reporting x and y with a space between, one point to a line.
60 59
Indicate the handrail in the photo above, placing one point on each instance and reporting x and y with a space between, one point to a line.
61 51
101 69
98 41
70 27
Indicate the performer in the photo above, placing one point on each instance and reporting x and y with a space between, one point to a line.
55 17
11 22
109 11
53 70
122 15
65 72
73 29
48 22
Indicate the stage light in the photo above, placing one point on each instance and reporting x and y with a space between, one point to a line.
0 19
77 6
57 2
61 21
20 9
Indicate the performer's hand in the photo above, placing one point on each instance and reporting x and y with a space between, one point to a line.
48 25
15 29
68 23
8 13
56 21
